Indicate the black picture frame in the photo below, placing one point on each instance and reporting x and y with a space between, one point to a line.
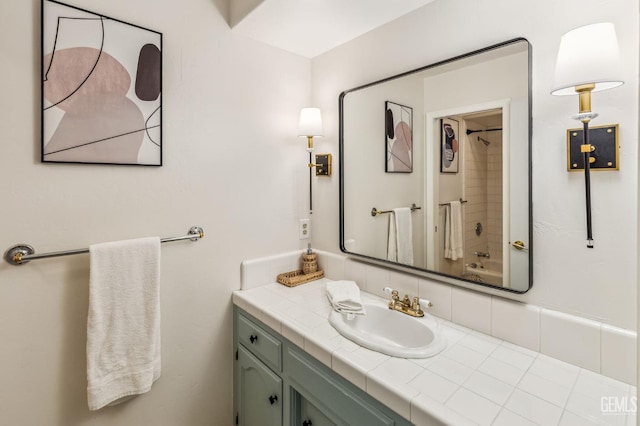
398 126
101 93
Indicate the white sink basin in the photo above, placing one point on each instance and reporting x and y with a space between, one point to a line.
390 332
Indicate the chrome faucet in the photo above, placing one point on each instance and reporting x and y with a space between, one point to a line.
406 305
484 254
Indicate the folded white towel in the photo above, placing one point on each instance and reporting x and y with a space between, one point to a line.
123 326
344 296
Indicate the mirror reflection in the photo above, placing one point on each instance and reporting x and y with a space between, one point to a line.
435 171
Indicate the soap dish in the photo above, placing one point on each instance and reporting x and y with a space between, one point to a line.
294 278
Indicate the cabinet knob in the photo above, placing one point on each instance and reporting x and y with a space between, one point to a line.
253 338
307 423
273 399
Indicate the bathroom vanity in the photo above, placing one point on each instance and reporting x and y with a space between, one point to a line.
293 367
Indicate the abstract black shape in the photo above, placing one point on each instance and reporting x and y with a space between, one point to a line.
389 124
148 75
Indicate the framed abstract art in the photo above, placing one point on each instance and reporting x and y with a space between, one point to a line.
449 148
399 138
101 89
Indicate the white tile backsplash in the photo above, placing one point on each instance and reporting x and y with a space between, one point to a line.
404 283
439 295
619 354
568 340
515 322
471 309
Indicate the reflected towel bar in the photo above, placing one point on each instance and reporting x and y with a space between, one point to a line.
446 204
23 253
375 212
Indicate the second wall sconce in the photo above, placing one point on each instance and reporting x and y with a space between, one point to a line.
589 61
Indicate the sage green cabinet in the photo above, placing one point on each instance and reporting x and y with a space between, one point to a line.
307 414
277 383
259 393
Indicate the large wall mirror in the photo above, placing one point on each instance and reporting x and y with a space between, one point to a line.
435 172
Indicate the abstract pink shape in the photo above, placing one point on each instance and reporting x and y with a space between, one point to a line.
401 149
80 71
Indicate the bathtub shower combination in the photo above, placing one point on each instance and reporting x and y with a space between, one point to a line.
486 271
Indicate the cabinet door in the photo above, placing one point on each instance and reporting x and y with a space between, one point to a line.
259 392
310 415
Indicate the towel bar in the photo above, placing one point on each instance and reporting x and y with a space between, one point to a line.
23 253
446 204
375 212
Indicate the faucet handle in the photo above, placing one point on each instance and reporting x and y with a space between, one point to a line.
422 302
392 292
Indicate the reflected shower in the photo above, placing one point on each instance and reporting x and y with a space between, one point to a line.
484 141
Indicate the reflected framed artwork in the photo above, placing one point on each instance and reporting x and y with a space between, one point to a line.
449 147
101 89
398 129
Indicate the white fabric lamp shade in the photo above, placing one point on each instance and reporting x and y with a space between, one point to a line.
310 122
588 55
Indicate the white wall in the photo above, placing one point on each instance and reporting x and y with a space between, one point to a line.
597 283
233 165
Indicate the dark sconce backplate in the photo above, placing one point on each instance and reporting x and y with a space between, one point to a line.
323 164
605 153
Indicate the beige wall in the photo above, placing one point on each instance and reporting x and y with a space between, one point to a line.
233 165
596 283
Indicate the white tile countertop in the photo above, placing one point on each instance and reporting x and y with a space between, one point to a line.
477 379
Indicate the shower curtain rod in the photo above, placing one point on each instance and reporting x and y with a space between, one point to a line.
469 131
23 253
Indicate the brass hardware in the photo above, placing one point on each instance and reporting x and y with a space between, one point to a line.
584 98
406 305
519 245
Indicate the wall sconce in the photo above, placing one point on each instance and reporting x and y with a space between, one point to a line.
588 61
310 125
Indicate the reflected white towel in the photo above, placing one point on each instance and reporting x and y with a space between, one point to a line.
400 238
123 326
344 296
453 231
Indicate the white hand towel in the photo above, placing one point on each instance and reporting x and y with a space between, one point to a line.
123 326
344 296
403 235
453 231
392 240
